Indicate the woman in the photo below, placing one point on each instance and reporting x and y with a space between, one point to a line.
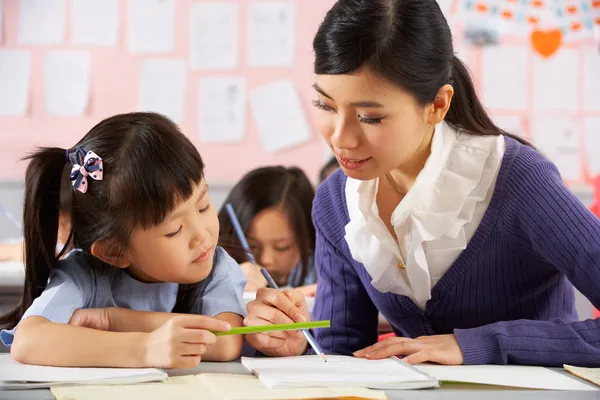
274 207
463 236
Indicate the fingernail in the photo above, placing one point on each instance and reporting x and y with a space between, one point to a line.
227 326
300 318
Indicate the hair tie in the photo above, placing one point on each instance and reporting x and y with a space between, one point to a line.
92 167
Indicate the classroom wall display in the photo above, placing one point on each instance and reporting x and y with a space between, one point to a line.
233 73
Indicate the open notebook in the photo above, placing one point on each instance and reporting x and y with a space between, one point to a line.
14 375
311 371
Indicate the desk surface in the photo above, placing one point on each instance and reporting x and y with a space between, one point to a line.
449 392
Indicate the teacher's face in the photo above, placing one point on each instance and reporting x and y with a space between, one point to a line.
372 126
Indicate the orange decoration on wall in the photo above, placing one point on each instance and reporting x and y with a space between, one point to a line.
572 9
576 26
546 43
596 3
533 20
507 14
538 3
598 21
481 7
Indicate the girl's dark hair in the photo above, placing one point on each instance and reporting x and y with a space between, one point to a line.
408 43
269 187
149 168
325 169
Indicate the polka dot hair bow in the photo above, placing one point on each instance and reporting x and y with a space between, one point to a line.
92 167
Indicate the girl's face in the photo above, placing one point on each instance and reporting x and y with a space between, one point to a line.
372 126
181 248
273 243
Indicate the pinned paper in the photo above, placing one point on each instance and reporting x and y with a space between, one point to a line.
222 109
279 116
559 139
592 144
162 88
42 21
66 82
214 35
151 26
591 80
509 63
556 82
15 73
95 22
271 34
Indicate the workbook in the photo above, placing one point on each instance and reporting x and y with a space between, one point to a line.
14 375
312 371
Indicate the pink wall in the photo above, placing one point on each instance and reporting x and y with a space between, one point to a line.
114 89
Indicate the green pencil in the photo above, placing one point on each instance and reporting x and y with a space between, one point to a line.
244 330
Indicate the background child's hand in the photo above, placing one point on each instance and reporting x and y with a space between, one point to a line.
181 341
94 318
308 290
255 278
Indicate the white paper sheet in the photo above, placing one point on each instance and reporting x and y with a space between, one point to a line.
66 82
151 26
162 88
214 35
279 116
271 36
591 79
558 138
556 81
15 75
95 22
222 109
592 144
505 82
510 123
42 21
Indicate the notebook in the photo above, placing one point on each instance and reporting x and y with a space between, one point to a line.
589 374
14 375
311 371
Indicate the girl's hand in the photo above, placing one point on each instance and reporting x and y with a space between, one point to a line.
255 278
275 307
440 349
308 290
181 341
93 318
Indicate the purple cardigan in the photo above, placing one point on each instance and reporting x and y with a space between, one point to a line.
508 297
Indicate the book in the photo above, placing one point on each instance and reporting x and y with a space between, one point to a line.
589 374
338 371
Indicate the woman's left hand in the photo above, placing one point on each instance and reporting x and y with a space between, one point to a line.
440 349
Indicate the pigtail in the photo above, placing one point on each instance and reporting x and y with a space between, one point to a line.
40 225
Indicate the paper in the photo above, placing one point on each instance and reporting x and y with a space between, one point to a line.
279 116
505 375
556 81
66 82
271 34
338 371
505 82
214 35
151 26
176 388
95 22
42 21
222 109
589 374
15 75
591 79
510 123
162 88
558 138
248 387
16 375
592 144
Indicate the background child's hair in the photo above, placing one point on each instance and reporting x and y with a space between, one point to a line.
270 187
328 169
149 168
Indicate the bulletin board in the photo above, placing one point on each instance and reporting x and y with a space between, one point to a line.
164 55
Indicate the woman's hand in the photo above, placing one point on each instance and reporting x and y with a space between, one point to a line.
308 290
255 278
273 306
440 349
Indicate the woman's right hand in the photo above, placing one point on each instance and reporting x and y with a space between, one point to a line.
273 306
181 341
255 279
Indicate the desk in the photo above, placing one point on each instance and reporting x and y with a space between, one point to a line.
448 392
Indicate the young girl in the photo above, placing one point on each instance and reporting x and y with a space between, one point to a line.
464 237
145 235
274 207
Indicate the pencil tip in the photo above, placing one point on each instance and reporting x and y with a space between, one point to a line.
322 356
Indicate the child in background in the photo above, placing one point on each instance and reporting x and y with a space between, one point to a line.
328 169
145 235
274 206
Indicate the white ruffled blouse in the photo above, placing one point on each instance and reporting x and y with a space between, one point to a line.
435 220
